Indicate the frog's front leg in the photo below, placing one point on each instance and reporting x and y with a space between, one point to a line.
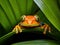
46 27
17 29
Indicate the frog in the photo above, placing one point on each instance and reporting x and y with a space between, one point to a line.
31 21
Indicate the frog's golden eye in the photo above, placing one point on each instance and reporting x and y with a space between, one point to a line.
37 17
23 17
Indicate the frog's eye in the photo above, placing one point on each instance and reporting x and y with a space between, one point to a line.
23 17
37 17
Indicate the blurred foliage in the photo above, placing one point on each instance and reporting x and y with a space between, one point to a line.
37 42
12 10
52 13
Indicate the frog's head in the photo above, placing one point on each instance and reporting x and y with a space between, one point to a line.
30 20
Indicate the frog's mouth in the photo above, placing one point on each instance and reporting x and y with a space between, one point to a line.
29 25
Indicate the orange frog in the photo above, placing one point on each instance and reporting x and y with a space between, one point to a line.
31 21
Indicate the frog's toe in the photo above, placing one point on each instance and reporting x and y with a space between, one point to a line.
17 29
47 28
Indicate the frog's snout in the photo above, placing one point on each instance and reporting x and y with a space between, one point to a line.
29 22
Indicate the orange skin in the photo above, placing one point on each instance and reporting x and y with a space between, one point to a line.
30 21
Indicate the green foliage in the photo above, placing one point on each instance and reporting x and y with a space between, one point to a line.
37 42
51 11
12 10
52 15
5 37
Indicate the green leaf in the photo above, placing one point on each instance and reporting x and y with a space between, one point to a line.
4 20
37 42
7 9
12 10
51 16
51 11
54 32
15 8
5 37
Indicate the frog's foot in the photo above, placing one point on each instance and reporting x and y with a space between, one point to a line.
17 29
46 28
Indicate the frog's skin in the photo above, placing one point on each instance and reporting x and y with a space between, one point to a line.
31 21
